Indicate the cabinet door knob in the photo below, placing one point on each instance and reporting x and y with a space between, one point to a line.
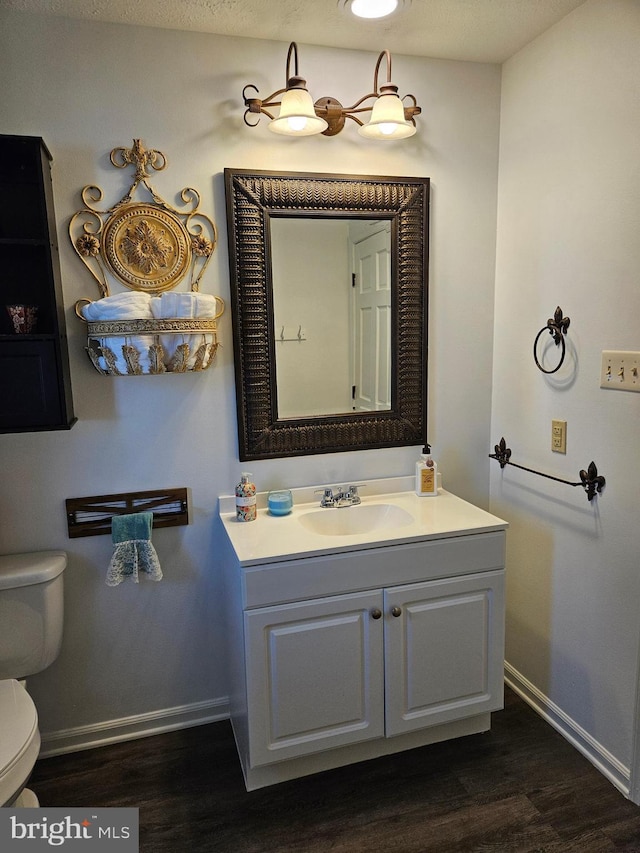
396 611
376 613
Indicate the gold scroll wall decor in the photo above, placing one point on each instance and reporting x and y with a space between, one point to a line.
148 246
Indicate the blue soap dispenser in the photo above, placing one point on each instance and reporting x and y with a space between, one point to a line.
426 474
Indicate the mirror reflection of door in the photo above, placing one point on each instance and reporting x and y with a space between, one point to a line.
371 315
330 335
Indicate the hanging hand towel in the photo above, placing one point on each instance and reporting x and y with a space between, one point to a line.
133 551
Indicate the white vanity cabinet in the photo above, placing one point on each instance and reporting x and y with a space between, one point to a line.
333 671
340 657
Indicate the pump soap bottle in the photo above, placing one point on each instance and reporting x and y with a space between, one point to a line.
426 474
246 499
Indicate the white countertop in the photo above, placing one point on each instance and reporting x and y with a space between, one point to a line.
273 538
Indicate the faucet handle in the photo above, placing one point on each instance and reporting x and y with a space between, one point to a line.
327 496
352 493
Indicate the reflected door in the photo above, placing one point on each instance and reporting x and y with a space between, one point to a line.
372 322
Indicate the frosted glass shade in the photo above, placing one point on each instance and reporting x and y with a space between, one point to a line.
297 116
387 120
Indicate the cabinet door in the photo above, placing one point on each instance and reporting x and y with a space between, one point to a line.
444 650
314 675
28 385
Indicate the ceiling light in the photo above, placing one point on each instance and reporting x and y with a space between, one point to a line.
373 8
390 117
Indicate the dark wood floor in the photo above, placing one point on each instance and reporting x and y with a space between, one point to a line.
519 788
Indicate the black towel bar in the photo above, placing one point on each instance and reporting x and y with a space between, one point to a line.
590 480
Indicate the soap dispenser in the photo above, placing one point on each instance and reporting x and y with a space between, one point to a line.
246 499
426 474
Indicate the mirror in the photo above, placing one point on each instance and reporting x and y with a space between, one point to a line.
329 310
331 283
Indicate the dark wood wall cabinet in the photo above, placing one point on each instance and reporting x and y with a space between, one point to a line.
35 387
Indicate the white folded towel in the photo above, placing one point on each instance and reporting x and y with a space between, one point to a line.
202 306
187 306
123 306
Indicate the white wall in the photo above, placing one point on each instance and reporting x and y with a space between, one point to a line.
568 235
87 88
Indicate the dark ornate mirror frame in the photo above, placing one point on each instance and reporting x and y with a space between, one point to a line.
253 197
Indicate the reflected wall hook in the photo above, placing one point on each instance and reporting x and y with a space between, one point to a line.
297 336
557 326
590 480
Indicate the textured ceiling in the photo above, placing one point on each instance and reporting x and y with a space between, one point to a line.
474 30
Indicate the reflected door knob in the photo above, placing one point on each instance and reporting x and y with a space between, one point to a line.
376 613
396 611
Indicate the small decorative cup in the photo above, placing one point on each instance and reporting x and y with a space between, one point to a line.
23 318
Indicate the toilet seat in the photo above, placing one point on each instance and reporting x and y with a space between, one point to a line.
20 742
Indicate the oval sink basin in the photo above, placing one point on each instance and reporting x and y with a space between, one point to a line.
349 521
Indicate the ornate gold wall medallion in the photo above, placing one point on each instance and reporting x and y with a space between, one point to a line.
146 247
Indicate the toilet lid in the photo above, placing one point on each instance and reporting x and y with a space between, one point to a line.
18 722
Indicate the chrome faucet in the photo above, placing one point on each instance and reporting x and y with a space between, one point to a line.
339 496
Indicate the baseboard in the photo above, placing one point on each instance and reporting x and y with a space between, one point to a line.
211 711
601 758
131 728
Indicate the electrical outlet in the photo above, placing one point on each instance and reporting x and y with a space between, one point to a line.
559 436
620 370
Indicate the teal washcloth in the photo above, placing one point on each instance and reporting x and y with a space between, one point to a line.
133 551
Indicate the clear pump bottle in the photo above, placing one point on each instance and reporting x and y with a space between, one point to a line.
426 474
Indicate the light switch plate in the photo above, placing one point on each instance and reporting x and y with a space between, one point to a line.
620 370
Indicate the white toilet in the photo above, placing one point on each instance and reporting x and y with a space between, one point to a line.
31 613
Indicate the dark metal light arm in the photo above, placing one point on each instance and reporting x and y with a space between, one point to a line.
256 105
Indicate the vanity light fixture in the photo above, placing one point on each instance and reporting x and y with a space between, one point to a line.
390 117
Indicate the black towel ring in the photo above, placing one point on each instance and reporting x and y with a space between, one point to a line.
557 326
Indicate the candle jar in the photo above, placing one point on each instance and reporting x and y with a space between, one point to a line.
280 502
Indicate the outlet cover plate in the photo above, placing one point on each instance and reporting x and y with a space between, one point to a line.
620 370
559 436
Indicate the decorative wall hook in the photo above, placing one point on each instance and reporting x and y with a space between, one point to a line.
557 327
591 482
297 336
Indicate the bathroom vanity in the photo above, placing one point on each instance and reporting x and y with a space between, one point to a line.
361 631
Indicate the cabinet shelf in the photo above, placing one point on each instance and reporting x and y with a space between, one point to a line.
23 241
18 339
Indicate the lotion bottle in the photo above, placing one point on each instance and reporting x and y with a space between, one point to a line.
426 474
246 499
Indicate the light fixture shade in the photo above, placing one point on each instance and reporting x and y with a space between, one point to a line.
297 116
387 120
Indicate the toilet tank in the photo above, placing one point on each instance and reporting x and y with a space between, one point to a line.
31 611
